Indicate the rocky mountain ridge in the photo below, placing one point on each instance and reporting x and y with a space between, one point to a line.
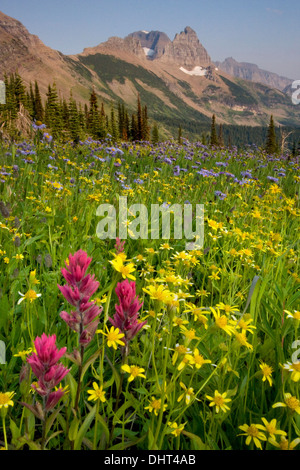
176 79
253 73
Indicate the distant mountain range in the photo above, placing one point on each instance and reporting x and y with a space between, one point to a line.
177 80
255 74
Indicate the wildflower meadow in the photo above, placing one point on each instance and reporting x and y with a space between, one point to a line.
138 343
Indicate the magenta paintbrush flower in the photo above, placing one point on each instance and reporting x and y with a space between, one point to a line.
126 316
78 290
45 366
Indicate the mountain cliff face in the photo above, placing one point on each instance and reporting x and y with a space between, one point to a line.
186 50
154 43
253 73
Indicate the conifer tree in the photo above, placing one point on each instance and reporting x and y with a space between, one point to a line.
145 124
74 123
102 123
179 137
271 143
93 116
113 128
53 111
134 128
38 110
213 132
155 134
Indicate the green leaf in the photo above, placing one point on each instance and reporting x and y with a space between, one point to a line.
84 428
251 291
89 362
73 430
197 442
121 411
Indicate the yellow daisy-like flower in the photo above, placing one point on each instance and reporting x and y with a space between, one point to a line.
134 372
6 399
253 432
177 430
270 427
19 256
23 354
219 400
97 393
30 295
222 321
159 293
214 276
198 360
32 279
165 246
242 339
124 269
187 394
188 334
267 372
295 315
244 324
177 321
113 337
294 368
228 309
179 350
155 406
290 402
284 443
186 360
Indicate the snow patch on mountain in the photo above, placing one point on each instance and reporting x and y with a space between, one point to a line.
148 52
198 71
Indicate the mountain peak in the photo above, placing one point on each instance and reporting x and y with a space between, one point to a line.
187 51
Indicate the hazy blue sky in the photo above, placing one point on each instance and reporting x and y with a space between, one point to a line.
264 32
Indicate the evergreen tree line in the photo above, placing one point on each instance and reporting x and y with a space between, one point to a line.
69 119
273 140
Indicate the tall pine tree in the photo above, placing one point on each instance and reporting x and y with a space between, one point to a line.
271 143
213 132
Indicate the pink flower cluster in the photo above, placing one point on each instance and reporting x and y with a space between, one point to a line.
78 290
119 246
126 316
45 366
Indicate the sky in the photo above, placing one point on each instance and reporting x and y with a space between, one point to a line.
263 32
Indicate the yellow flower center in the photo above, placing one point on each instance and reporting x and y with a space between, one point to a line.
199 359
99 393
292 402
219 400
253 431
284 444
271 428
267 370
5 398
31 295
181 349
113 335
221 321
134 371
156 404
